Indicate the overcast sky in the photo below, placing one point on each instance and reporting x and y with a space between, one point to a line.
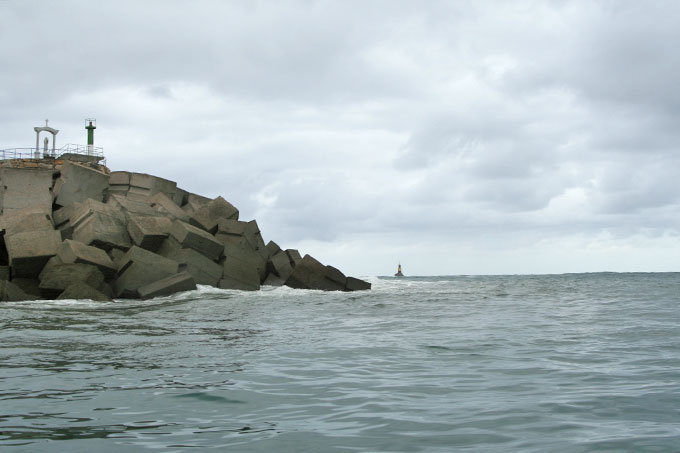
458 137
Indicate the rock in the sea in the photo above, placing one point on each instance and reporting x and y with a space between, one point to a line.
29 251
81 290
140 267
182 281
9 292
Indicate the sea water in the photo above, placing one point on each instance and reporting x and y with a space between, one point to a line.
565 363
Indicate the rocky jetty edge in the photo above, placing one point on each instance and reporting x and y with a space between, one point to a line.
75 230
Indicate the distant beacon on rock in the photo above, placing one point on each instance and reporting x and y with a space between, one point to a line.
71 228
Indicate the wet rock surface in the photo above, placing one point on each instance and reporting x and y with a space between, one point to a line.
84 233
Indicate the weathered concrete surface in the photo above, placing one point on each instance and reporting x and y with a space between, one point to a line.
81 211
56 279
279 265
239 274
25 187
145 184
148 232
131 205
192 237
9 292
244 252
78 182
30 286
26 219
182 281
294 257
102 231
311 274
272 248
4 273
139 267
355 284
207 216
81 290
164 205
119 182
335 275
29 251
76 252
194 202
202 269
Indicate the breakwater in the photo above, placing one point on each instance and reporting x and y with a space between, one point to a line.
72 229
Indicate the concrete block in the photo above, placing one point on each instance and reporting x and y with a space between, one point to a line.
82 211
273 280
29 251
4 273
20 221
197 200
139 267
148 232
207 216
272 248
131 205
145 184
83 291
164 205
192 237
311 274
279 265
335 275
119 178
355 284
244 252
294 257
9 292
30 286
167 286
56 279
24 188
180 198
239 274
76 252
79 182
62 216
202 269
103 231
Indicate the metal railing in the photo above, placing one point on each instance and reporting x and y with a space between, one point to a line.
96 152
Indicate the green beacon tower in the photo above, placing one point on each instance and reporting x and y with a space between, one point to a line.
90 125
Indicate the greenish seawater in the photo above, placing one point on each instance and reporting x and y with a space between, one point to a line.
564 363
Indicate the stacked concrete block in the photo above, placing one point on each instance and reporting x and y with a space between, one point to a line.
119 182
311 274
165 206
30 286
29 251
182 281
144 184
55 279
81 290
207 216
27 219
279 265
201 268
194 203
9 292
24 188
355 284
100 225
62 220
139 267
131 204
148 232
232 231
238 274
73 252
246 254
79 182
194 238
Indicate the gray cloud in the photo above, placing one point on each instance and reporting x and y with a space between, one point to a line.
521 136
